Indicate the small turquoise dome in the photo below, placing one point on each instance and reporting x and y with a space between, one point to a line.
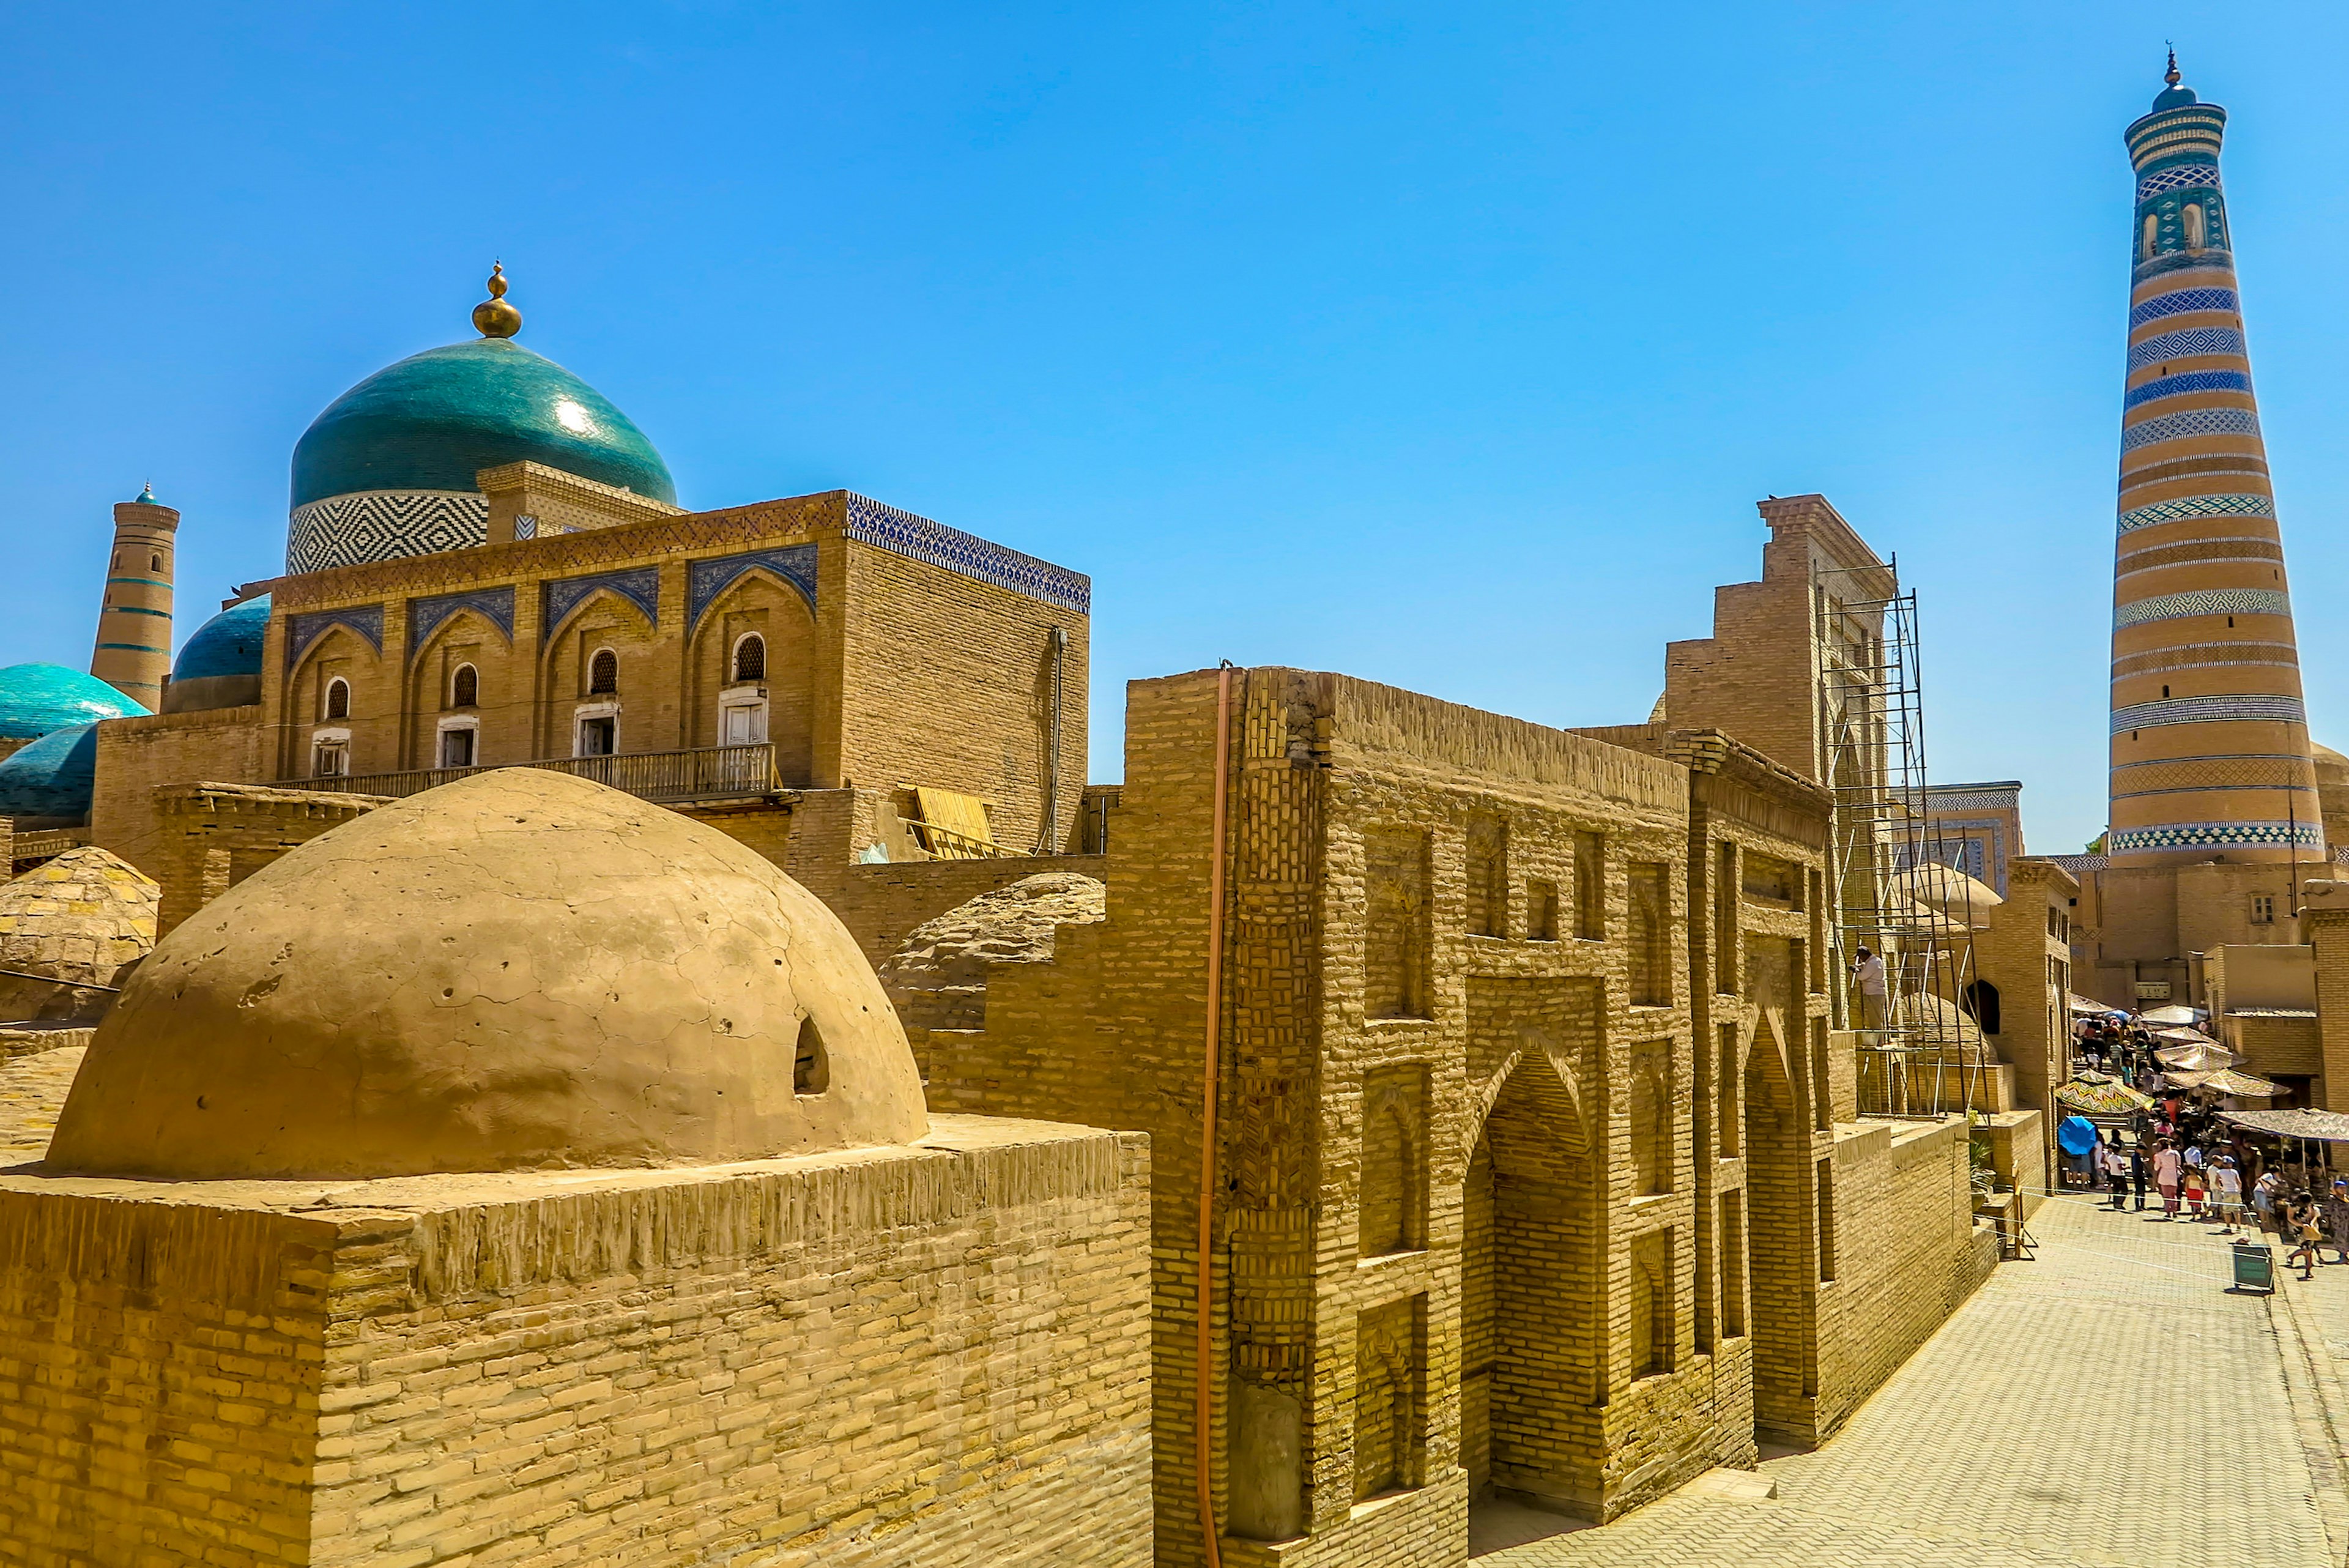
434 420
52 778
228 644
40 699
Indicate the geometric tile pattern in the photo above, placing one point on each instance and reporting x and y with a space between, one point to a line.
639 585
301 631
383 525
2207 656
2229 772
2190 423
704 580
2179 177
2202 601
525 525
2203 552
2197 506
425 615
2185 344
2245 707
922 540
2192 381
2181 302
2218 835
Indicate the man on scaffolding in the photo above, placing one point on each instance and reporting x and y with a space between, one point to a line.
1868 970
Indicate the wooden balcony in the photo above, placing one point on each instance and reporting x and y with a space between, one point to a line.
670 778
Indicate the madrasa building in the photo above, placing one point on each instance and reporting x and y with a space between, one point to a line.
651 1049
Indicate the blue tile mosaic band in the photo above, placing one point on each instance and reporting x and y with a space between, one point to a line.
2192 381
640 586
302 630
2191 424
425 615
383 525
2188 506
2213 260
704 580
2218 835
918 538
2179 177
2185 344
2183 302
2246 708
2202 601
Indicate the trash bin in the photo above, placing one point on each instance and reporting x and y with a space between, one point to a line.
2254 1266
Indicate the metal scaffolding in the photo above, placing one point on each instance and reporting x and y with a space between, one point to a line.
1920 1051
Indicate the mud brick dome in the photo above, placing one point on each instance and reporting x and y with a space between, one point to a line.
521 970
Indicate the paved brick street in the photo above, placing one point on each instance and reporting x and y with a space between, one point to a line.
2108 1404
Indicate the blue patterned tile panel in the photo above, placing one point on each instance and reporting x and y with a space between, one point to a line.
2190 425
2213 258
2179 177
918 538
2178 511
303 629
2183 302
2251 708
2202 601
425 615
2185 344
704 580
2192 381
2218 835
640 586
383 525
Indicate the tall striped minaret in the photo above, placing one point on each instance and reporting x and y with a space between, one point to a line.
2210 744
133 654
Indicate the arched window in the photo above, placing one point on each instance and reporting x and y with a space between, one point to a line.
154 563
339 699
2193 226
2152 234
118 560
751 658
464 688
603 673
1979 997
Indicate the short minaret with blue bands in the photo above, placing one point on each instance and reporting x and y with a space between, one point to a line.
2210 743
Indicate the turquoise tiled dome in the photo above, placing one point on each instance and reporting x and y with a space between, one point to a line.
434 420
53 776
38 699
228 644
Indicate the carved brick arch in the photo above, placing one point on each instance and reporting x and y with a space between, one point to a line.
603 596
1553 1078
335 651
1769 1064
756 599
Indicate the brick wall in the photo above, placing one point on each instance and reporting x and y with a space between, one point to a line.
907 1357
138 756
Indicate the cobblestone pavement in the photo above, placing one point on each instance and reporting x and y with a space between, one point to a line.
32 1092
2021 1436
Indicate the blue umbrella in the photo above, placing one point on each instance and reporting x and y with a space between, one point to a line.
2077 1135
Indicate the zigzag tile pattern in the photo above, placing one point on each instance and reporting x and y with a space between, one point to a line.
2237 505
2183 302
2256 707
2218 836
383 525
2189 425
2192 381
2202 601
2185 344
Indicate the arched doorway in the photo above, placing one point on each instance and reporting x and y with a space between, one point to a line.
1778 1196
1533 1366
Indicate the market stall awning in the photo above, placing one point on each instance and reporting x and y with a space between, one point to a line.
2089 1007
2204 1058
2173 1013
2226 1083
2100 1095
2328 1126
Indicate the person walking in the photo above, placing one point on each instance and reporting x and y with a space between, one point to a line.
2266 1192
2299 1218
2190 1185
2167 1164
2117 1171
2336 1218
2138 1169
2227 1184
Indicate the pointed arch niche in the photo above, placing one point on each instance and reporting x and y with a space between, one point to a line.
752 669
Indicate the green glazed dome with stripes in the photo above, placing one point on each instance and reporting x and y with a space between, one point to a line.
434 420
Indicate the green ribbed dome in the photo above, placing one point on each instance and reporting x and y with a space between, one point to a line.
434 420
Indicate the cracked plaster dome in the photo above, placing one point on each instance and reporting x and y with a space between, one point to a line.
520 970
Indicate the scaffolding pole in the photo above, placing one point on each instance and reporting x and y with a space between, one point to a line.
1915 1056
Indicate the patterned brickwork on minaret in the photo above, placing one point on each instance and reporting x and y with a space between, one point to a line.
2210 743
134 619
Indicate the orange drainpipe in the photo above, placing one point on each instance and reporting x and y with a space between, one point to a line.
1202 1404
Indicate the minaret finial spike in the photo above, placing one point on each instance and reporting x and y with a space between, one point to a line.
2172 76
493 317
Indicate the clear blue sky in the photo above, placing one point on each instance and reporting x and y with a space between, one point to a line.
1448 345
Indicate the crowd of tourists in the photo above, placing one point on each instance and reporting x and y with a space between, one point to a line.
2118 1046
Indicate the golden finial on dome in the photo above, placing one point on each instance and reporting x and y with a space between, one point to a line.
493 317
2173 76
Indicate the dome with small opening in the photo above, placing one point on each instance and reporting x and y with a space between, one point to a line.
520 970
